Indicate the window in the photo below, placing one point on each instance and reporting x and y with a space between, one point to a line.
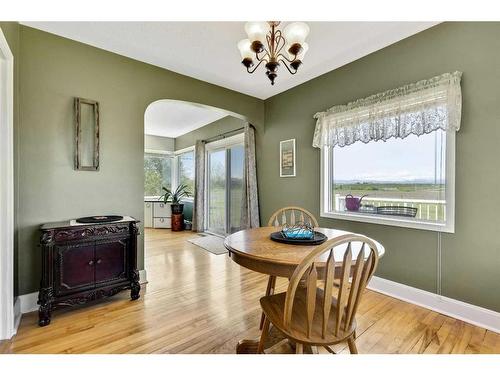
157 173
185 165
390 158
402 181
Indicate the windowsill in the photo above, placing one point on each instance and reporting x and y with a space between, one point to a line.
392 221
157 198
152 198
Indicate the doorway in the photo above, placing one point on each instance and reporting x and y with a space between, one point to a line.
224 180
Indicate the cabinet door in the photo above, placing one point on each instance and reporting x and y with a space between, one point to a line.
111 260
76 267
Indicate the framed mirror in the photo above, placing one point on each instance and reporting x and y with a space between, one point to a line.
86 135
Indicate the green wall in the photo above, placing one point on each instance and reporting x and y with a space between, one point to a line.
471 256
53 70
213 129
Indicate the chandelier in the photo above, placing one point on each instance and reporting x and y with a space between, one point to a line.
267 44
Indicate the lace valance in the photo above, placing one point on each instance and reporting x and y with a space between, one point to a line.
417 108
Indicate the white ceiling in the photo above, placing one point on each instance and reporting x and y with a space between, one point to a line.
172 118
207 50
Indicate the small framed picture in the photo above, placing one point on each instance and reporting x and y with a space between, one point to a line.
287 158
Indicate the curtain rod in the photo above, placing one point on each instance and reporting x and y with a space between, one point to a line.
225 134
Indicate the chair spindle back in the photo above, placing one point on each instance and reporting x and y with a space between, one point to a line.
360 269
292 215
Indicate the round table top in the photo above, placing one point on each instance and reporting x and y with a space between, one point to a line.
254 249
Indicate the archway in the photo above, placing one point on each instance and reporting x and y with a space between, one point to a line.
171 128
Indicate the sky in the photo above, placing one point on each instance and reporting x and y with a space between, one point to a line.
405 160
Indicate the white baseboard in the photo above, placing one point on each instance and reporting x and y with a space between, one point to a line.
143 279
476 315
28 302
17 314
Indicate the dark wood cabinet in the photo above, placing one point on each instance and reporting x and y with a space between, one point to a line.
82 263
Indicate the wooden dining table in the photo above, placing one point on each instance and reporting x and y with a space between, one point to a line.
254 249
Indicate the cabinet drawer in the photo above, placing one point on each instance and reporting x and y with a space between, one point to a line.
161 210
162 222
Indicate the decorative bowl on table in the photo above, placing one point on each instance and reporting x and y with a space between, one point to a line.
99 219
298 231
298 234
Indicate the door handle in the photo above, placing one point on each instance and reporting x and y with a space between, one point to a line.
99 261
91 262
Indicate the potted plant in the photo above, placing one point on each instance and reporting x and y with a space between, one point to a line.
175 197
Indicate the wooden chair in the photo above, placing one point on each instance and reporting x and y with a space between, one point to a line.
292 215
312 316
287 215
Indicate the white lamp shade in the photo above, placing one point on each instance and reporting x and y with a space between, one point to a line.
244 47
257 31
296 32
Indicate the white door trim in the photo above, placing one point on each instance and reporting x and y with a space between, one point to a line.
7 328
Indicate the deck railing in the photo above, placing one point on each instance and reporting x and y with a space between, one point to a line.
427 209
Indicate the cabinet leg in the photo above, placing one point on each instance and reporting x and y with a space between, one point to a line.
135 291
135 287
44 311
44 315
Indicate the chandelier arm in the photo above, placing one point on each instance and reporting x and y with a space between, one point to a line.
288 68
263 57
256 66
283 57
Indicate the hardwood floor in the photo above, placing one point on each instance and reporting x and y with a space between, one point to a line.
197 302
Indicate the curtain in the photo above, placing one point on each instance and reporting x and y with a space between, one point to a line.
250 200
417 108
199 187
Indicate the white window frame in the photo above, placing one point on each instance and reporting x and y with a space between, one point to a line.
447 227
161 152
175 169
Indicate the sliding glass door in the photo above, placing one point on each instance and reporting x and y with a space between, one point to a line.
225 162
217 191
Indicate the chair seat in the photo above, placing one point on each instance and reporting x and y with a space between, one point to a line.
274 306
